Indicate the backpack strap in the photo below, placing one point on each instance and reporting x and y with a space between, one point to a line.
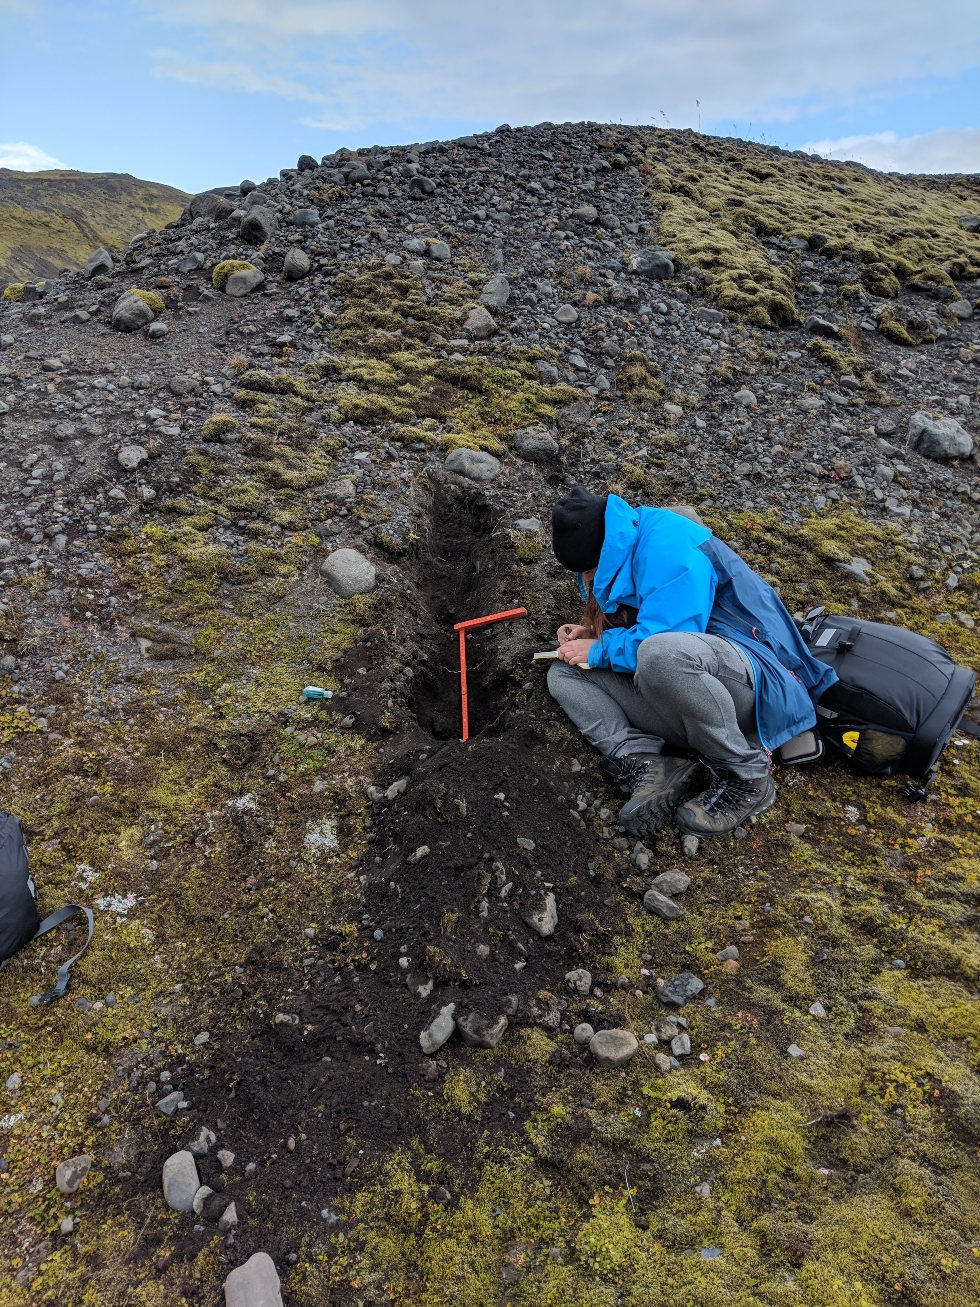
64 971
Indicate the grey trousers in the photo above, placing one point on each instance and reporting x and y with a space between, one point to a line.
689 691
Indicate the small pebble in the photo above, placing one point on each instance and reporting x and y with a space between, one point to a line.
817 1010
795 1051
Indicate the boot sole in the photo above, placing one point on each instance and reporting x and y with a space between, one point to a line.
764 804
652 814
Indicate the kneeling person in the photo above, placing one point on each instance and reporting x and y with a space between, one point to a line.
686 648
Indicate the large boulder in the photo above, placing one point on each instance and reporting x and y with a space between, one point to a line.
243 283
349 573
296 264
206 205
131 312
306 163
259 225
98 262
942 438
536 444
479 323
655 264
253 1284
473 463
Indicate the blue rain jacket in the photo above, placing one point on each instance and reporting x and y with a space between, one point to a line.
679 577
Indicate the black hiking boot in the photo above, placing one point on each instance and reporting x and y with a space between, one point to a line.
727 802
657 785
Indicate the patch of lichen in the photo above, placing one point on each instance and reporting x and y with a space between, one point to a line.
223 270
150 298
15 291
717 199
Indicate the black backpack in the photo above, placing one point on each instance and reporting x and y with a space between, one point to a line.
20 921
899 699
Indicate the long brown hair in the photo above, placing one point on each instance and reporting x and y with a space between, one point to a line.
594 619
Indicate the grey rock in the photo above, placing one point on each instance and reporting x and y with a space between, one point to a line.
661 906
745 398
609 221
201 1142
547 372
200 1198
583 1032
78 317
686 510
509 1004
67 1225
479 324
226 1158
180 1181
99 262
672 882
477 1031
817 1010
795 1051
349 573
184 386
576 414
168 1105
306 218
690 845
544 917
8 665
473 463
306 163
439 1029
439 251
886 426
710 315
414 245
680 1045
528 524
676 991
943 438
240 284
655 264
579 980
566 314
818 326
296 264
130 457
206 205
70 1174
130 313
441 1195
191 262
156 330
969 221
962 309
536 444
586 213
228 1219
665 1029
613 1048
729 954
258 225
254 1284
496 292
420 186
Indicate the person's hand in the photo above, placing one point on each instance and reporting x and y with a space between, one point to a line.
575 651
573 632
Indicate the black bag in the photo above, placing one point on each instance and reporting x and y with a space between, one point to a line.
899 699
19 918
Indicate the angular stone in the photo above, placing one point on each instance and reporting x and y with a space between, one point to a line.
168 1105
99 262
676 991
439 1029
130 457
258 225
201 1142
710 315
536 444
305 218
680 1045
795 1051
962 309
665 1029
200 1198
240 284
130 313
576 414
349 573
729 954
478 1031
184 386
969 221
655 264
206 205
818 326
439 251
254 1284
228 1219
690 845
473 463
296 264
613 1048
579 980
191 262
661 906
940 439
583 1032
496 292
672 882
817 1010
479 324
226 1158
180 1181
547 372
745 398
662 1062
70 1174
544 917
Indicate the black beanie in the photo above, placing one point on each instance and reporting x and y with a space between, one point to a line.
578 528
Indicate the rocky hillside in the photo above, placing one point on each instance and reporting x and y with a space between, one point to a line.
51 221
334 1029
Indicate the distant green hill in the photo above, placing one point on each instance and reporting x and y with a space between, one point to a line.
54 220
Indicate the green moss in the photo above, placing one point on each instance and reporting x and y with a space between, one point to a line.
527 547
218 425
221 273
639 380
149 298
830 358
15 291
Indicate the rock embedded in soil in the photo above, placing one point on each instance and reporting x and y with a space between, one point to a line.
544 917
130 457
582 1033
664 1029
254 1284
226 1159
676 991
296 264
130 313
579 980
655 264
474 464
690 845
680 1045
168 1105
479 323
671 883
536 445
180 1181
661 906
940 439
795 1051
349 573
201 1142
496 292
613 1048
228 1219
727 954
439 1030
201 1197
240 284
70 1174
477 1031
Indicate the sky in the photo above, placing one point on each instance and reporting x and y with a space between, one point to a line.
203 93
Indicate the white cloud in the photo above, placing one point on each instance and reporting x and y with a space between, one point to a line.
950 149
381 60
228 75
26 158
